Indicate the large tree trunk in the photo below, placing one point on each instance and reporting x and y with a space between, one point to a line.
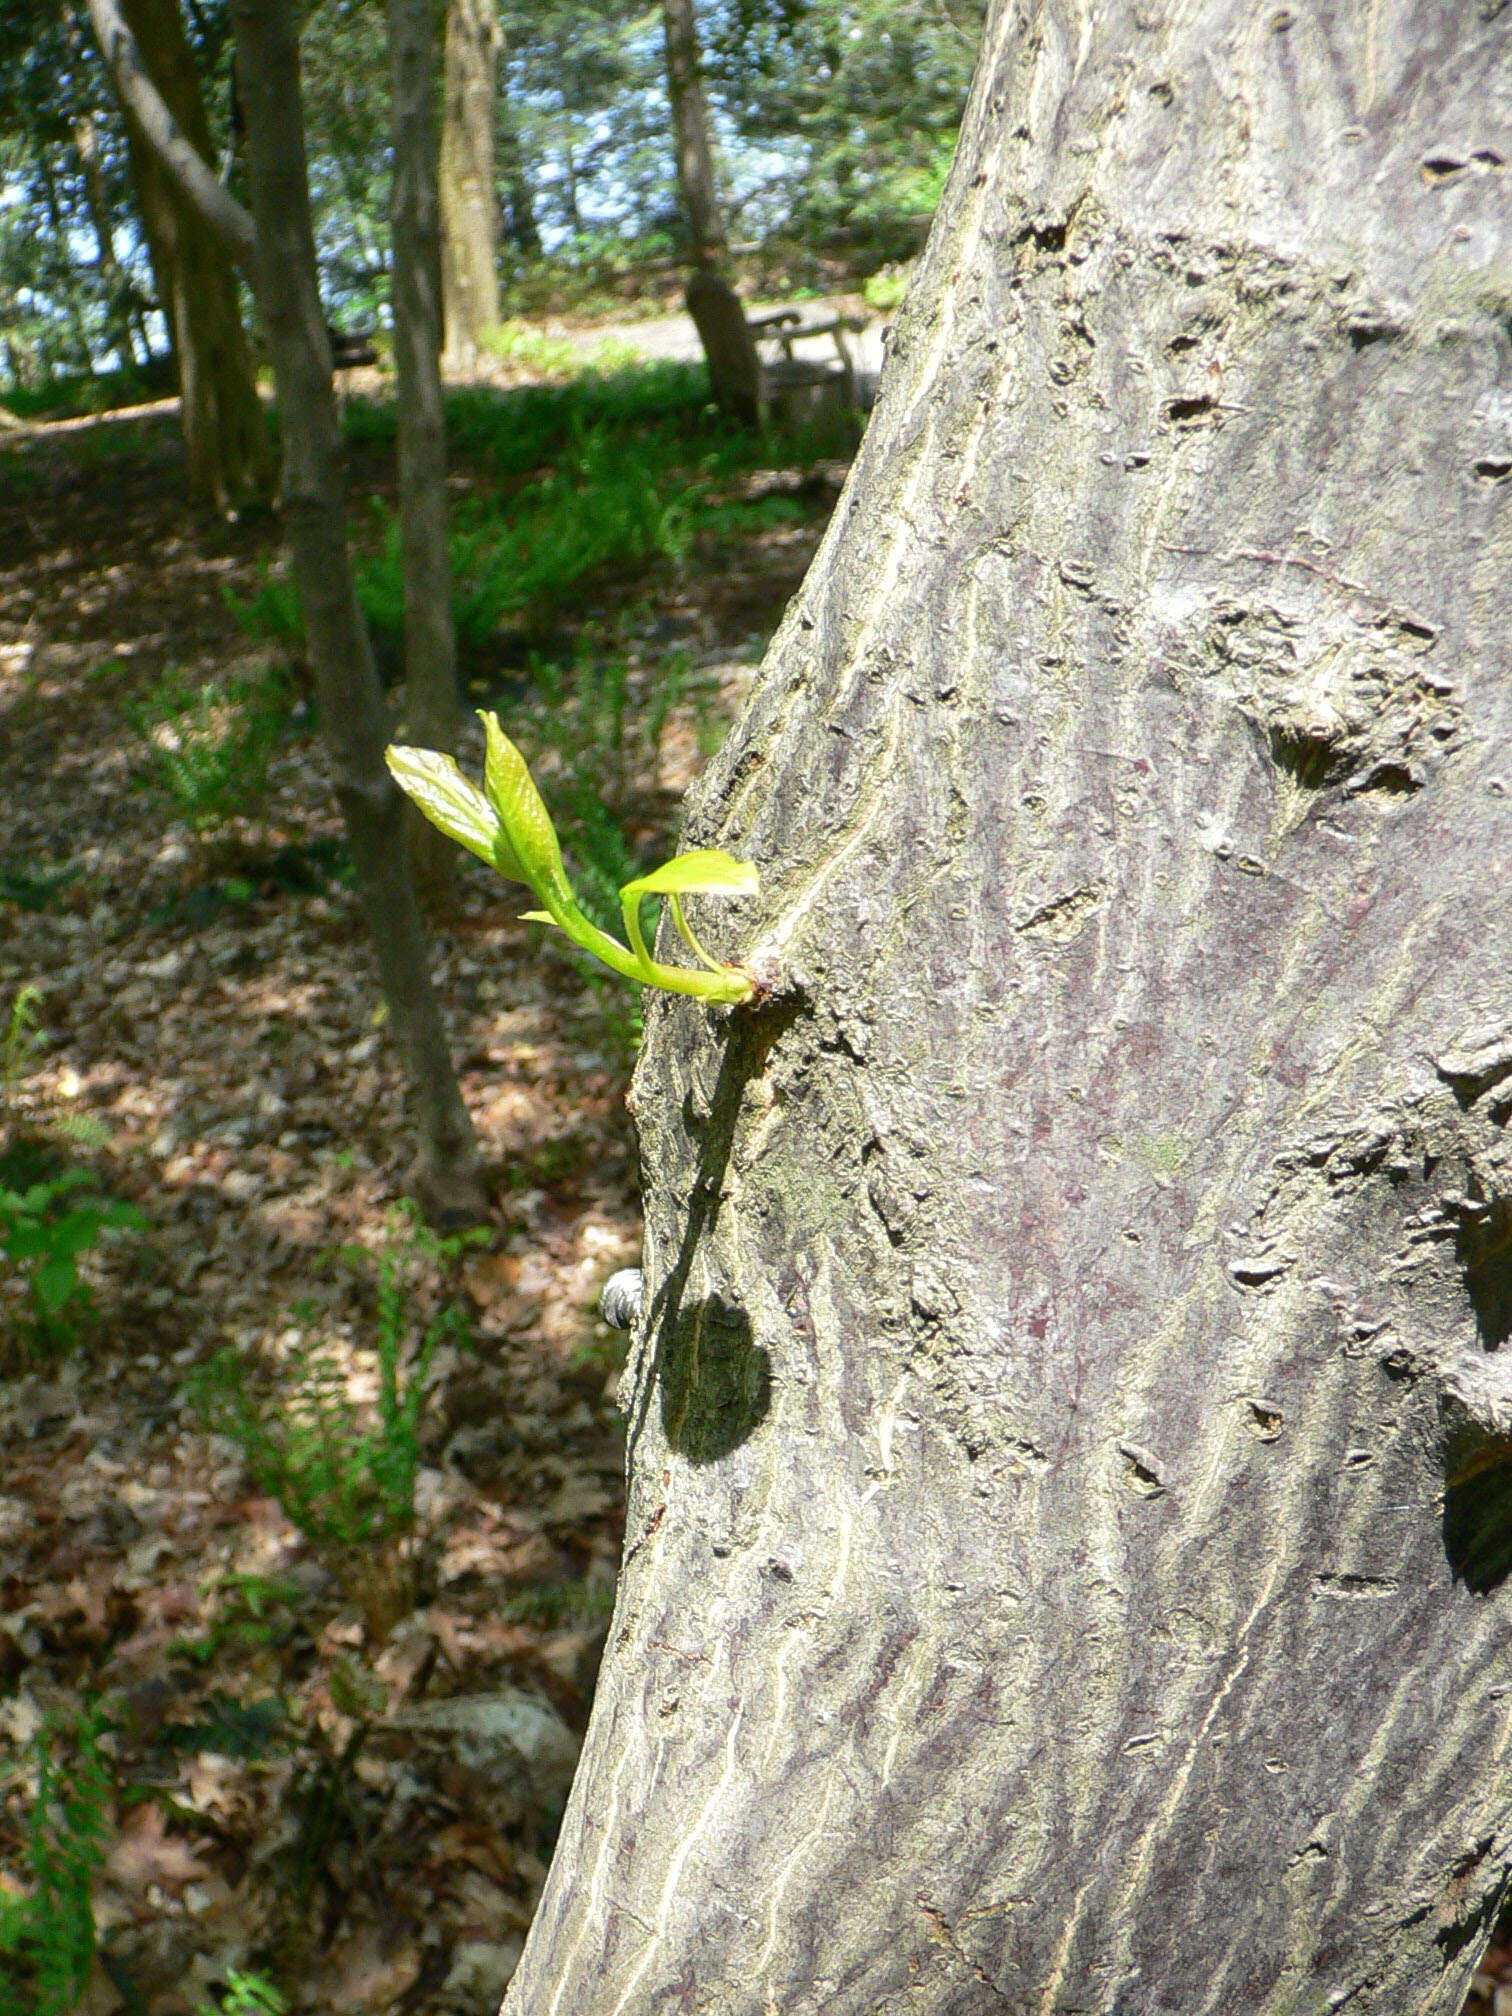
225 435
469 209
430 650
690 132
1069 1494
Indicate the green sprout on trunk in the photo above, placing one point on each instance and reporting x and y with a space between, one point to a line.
507 825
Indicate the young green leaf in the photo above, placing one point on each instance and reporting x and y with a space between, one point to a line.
707 871
513 795
507 825
435 784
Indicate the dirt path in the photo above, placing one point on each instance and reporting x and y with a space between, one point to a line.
673 337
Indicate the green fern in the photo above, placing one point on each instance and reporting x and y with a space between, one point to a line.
247 1995
212 744
47 1938
345 1475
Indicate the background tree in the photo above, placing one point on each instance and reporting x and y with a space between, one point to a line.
851 109
832 123
430 648
469 205
515 184
122 305
277 247
1068 1423
690 133
64 172
225 436
584 85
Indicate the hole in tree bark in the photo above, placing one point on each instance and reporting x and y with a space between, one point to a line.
1047 237
1478 1508
1191 412
1313 759
1395 779
1483 1243
1365 329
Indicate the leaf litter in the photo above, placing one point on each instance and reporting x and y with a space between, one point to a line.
340 1770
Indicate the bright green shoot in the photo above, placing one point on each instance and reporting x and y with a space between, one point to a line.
507 825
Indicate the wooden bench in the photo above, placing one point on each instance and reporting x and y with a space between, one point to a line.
350 348
756 387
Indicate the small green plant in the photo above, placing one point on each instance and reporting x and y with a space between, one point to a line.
885 289
34 884
43 1230
22 1039
344 1474
47 1937
507 825
212 744
246 1995
515 342
272 615
250 1612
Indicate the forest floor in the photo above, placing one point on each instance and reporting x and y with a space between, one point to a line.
327 1751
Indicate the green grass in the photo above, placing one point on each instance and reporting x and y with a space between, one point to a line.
68 398
606 475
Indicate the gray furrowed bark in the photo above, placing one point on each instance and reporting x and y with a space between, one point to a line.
1070 1514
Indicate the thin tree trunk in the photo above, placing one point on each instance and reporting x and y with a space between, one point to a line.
226 438
267 54
1071 1485
690 132
569 163
280 250
524 232
469 209
115 288
78 329
430 655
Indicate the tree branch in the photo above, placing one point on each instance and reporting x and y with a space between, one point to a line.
194 176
